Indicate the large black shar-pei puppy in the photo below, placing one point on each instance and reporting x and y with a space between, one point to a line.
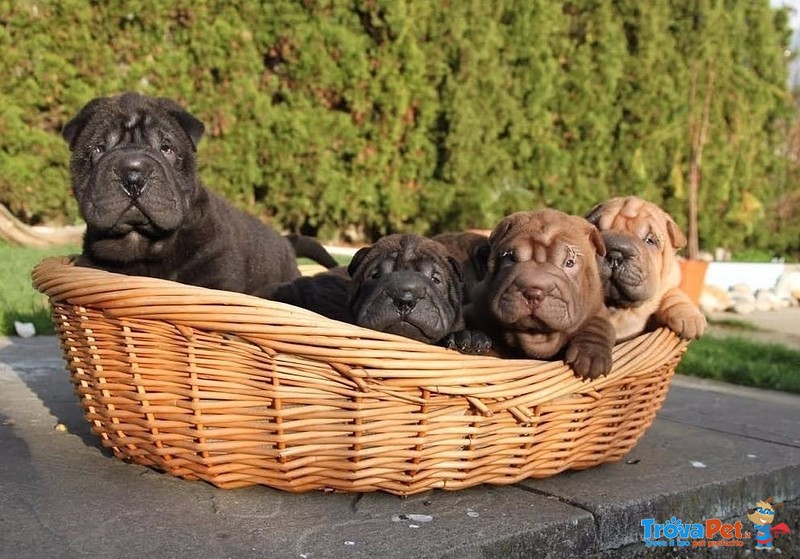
135 178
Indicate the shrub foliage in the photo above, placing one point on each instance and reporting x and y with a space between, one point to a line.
371 116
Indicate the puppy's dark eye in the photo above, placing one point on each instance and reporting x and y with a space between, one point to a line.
96 152
436 278
508 256
569 263
166 148
375 274
651 240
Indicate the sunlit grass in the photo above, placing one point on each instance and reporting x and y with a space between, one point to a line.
744 362
19 301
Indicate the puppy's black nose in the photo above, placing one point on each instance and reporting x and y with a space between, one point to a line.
133 179
404 301
615 258
133 183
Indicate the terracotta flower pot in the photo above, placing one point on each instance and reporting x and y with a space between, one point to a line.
693 278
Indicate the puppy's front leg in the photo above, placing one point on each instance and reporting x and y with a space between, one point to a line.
679 314
589 349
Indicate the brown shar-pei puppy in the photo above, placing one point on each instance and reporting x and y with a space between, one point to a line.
542 296
403 284
641 273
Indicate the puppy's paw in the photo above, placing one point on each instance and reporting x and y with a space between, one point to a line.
678 313
471 342
589 360
686 321
589 352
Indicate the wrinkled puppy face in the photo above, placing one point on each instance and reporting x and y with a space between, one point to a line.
132 165
641 241
407 285
543 272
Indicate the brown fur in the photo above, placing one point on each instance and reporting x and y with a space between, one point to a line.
542 296
642 272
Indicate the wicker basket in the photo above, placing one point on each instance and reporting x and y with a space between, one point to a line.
236 391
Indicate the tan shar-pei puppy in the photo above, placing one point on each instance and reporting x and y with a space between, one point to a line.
542 296
641 272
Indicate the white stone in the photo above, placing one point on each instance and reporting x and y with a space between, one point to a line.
25 329
743 307
788 285
741 289
714 299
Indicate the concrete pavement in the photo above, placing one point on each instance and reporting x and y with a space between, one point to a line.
713 451
779 326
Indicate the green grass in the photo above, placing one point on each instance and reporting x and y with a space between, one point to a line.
18 299
735 324
740 361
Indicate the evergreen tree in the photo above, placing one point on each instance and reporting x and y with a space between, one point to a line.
364 117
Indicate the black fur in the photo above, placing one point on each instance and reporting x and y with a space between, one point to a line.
135 178
309 247
403 284
327 293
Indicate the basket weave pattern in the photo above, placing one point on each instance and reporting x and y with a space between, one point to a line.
236 391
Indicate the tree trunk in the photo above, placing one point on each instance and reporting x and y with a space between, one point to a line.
698 136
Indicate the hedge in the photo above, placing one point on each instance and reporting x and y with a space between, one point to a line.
360 118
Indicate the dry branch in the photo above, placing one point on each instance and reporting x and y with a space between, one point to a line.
15 232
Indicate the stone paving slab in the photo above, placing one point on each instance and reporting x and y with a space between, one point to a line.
680 471
765 415
64 496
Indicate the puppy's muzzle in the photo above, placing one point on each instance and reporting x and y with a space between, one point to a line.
533 295
133 176
405 293
524 298
615 258
619 248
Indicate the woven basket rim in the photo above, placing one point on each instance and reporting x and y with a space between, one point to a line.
139 297
60 279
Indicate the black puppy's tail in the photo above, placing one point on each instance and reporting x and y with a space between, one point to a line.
308 247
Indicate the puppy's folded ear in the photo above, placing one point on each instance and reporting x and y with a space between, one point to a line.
73 128
593 215
603 214
500 232
357 260
190 124
501 229
676 236
456 266
597 240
